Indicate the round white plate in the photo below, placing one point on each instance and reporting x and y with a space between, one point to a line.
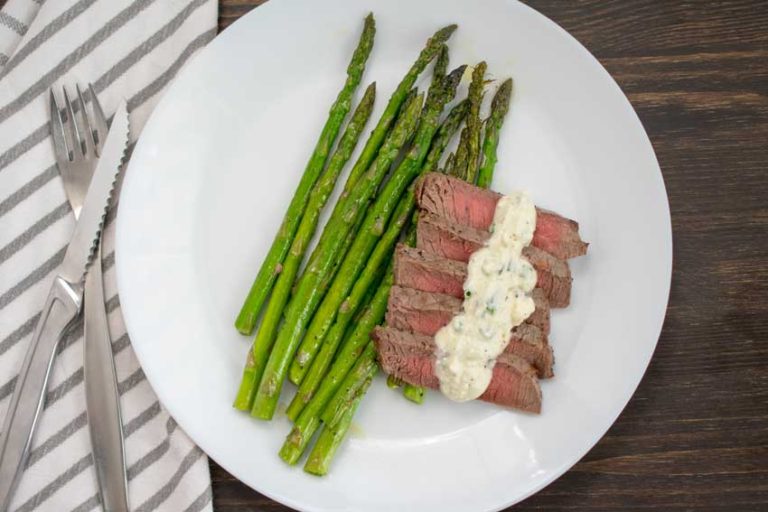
214 170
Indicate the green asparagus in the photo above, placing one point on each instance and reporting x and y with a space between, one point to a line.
376 219
316 368
262 345
329 440
271 267
460 164
414 393
309 419
364 369
435 46
499 108
313 340
308 293
444 135
473 121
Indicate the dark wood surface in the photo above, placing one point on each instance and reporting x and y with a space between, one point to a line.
695 435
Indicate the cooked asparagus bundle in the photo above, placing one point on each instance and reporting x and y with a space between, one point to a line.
271 267
262 345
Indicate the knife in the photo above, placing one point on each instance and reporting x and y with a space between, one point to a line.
102 396
61 307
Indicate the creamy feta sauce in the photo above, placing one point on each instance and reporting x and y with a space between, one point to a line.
496 299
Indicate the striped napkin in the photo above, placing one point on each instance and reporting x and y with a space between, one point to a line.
128 49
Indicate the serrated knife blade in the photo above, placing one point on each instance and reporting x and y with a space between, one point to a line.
61 308
82 247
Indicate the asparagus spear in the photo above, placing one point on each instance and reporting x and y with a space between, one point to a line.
459 168
308 293
444 135
327 349
271 266
377 217
473 121
330 439
414 393
435 46
441 63
311 343
262 345
499 108
364 369
309 419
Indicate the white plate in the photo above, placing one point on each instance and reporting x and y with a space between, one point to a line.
218 162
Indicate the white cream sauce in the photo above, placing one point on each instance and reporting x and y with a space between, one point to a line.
496 299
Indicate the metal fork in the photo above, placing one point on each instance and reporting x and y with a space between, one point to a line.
77 142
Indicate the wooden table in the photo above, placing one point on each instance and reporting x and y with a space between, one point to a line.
695 435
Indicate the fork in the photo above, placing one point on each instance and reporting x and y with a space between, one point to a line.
77 143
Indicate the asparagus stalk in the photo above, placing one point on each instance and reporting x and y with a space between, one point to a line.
364 369
441 63
473 121
459 168
444 135
324 317
327 349
374 225
499 108
414 393
330 439
308 293
262 345
435 46
309 419
271 267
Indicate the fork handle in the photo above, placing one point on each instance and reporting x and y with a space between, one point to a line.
101 396
61 307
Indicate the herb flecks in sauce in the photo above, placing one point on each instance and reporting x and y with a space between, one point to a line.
496 299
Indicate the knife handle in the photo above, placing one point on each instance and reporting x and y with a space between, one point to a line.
101 396
61 307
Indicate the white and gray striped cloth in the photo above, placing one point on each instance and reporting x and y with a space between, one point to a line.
128 49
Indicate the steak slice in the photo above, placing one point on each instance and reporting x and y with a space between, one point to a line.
423 270
426 313
409 357
416 268
463 203
440 236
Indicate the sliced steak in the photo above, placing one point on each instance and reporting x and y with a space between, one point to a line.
458 201
553 276
440 236
432 309
416 268
425 313
424 270
409 357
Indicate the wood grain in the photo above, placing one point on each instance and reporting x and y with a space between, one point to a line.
695 435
